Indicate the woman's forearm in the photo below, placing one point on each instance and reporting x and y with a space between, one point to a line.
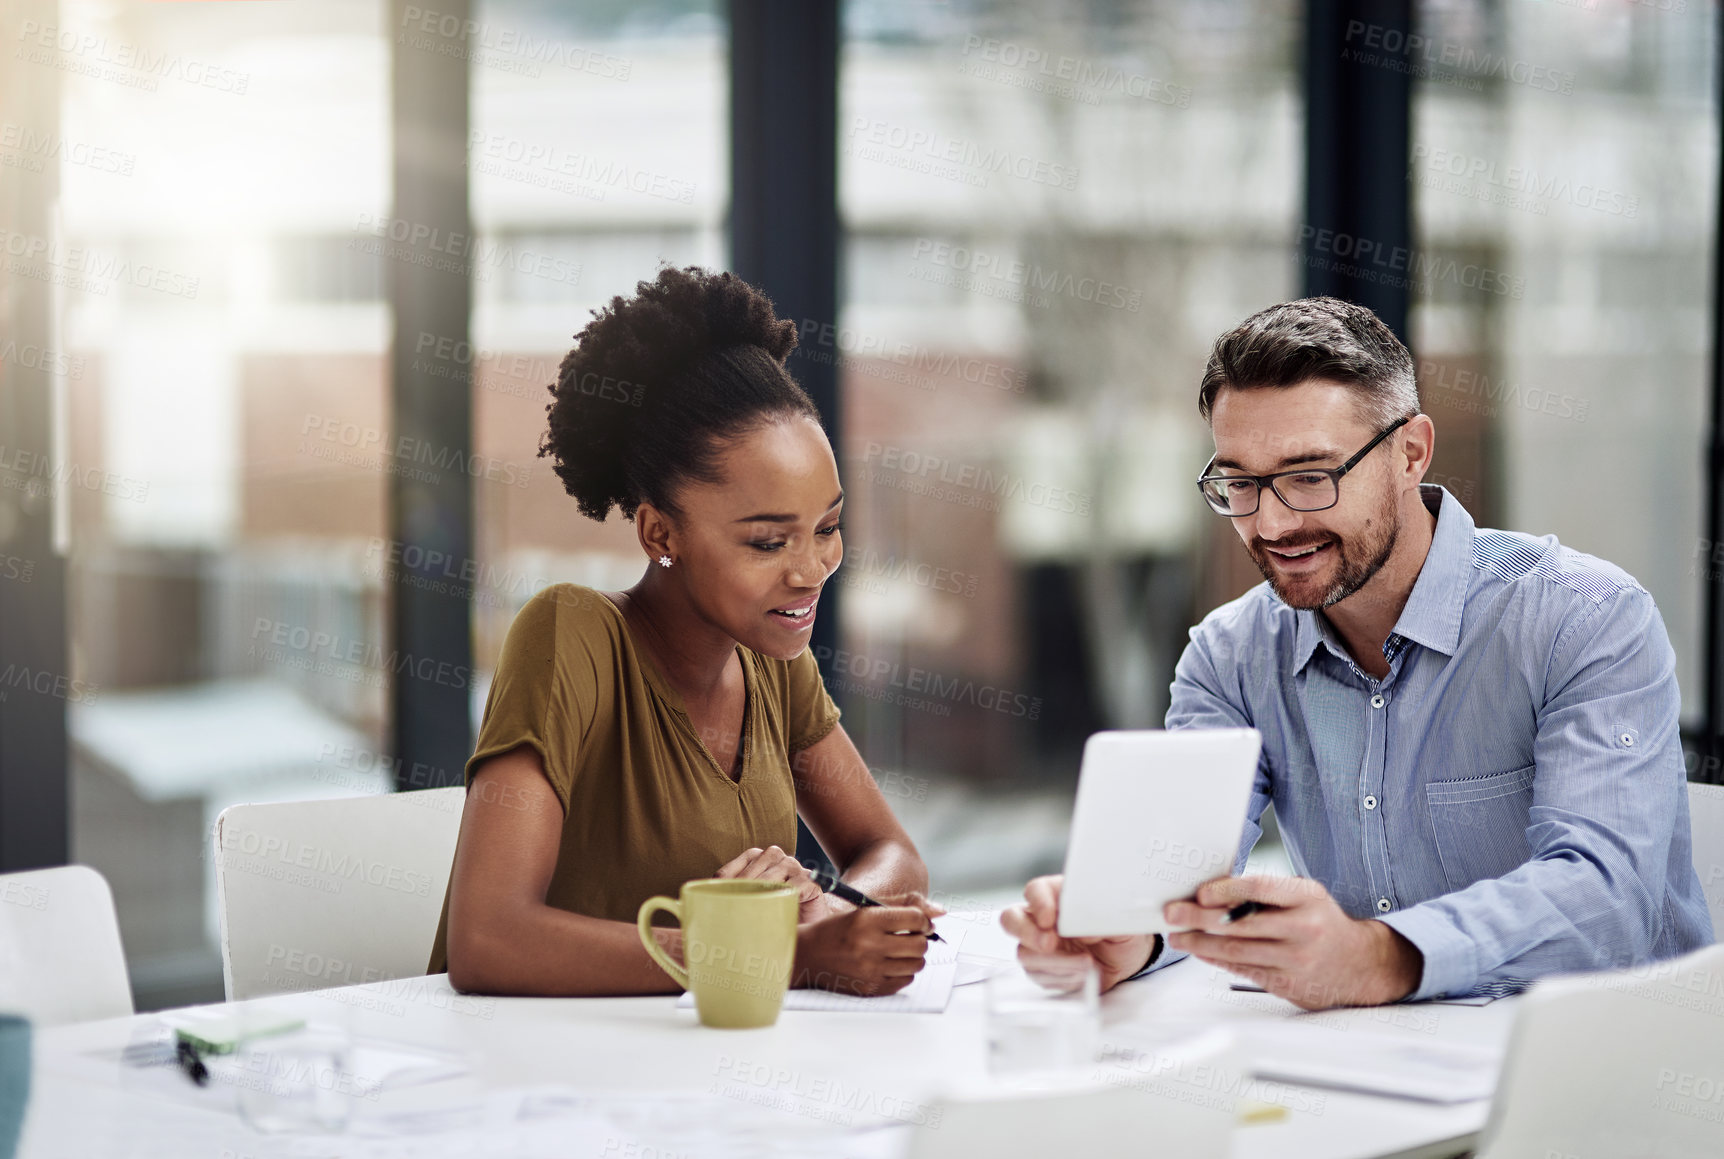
548 952
886 868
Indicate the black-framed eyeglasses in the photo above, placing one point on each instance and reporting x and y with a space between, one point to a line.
1307 489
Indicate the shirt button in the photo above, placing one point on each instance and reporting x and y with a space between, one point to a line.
1377 701
1370 802
1627 740
1384 905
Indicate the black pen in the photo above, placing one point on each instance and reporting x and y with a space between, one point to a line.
829 882
187 1056
1244 910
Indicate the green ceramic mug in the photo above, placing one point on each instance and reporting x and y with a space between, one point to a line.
739 940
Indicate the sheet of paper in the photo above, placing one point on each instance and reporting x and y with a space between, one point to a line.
541 1122
1469 1000
555 1122
928 994
390 1067
973 970
375 1064
1376 1064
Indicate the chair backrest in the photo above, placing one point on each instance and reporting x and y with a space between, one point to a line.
1706 816
1617 1064
1175 1101
60 954
316 894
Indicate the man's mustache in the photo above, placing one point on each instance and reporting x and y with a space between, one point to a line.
1263 545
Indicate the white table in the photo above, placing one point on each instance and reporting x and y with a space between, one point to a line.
87 1105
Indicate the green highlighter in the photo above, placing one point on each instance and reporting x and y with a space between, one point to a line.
222 1033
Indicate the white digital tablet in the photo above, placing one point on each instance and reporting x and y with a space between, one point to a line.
1157 814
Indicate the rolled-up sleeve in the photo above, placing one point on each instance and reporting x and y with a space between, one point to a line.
1606 794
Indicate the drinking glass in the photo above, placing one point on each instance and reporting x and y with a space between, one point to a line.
1045 1022
298 1082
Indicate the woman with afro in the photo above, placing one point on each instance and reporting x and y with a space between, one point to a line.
635 740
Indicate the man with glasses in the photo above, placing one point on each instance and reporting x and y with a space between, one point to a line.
1469 736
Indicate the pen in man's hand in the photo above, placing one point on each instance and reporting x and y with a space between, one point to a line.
829 882
1244 910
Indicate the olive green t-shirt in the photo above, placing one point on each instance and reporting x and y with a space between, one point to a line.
645 805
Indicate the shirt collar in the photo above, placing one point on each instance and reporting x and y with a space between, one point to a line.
1432 615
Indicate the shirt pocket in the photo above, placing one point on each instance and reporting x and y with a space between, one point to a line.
1480 824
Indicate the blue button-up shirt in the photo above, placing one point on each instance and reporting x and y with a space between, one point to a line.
1511 797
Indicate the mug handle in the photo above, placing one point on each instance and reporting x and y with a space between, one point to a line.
643 923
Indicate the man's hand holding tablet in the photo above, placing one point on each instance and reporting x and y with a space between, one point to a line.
1156 814
1299 945
1048 957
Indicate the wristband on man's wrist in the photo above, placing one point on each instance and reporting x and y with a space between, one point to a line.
1155 946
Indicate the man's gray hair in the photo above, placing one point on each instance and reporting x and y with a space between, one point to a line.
1315 338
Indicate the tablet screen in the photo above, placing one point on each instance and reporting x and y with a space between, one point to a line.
1157 814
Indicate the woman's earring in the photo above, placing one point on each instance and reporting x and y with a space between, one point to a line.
664 561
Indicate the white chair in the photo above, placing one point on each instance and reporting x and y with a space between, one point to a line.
1706 815
1179 1102
316 894
1615 1065
60 954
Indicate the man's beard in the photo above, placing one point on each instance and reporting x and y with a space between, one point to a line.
1358 560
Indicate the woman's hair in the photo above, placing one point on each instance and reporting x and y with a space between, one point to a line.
656 385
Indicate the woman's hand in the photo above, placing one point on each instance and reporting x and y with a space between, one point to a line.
870 951
773 864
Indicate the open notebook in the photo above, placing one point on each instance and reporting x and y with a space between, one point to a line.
928 994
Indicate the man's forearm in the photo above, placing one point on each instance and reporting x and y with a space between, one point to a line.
1543 918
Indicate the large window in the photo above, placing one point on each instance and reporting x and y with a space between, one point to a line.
216 163
228 338
1563 166
612 168
1049 215
1049 212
